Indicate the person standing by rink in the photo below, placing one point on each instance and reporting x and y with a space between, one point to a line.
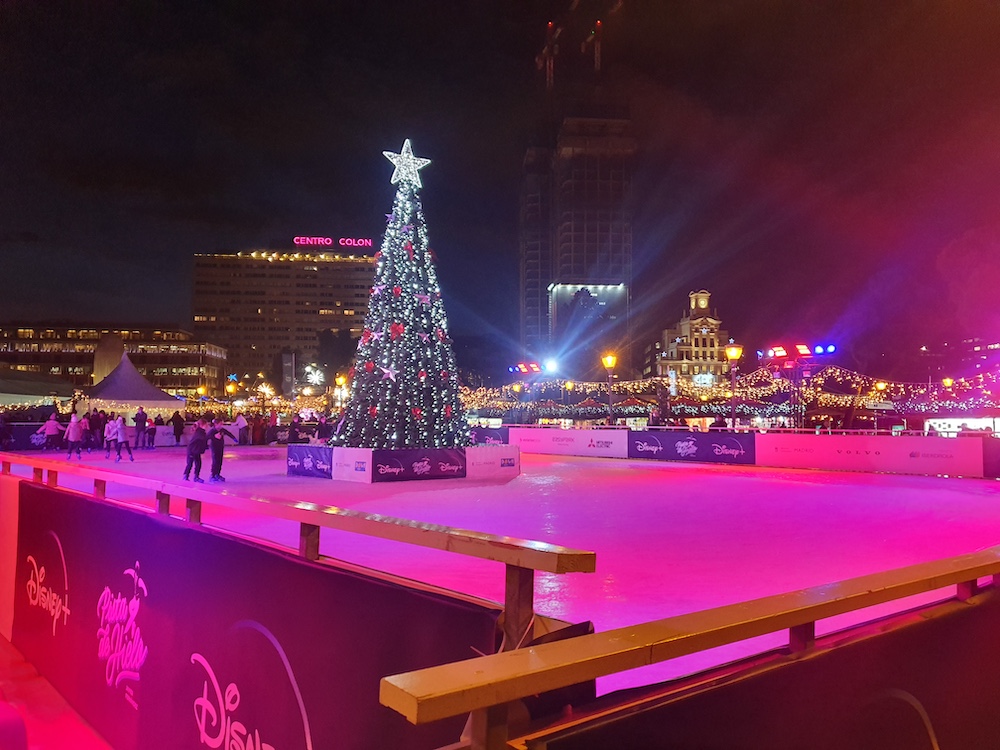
195 447
216 441
178 424
122 437
74 436
242 429
140 428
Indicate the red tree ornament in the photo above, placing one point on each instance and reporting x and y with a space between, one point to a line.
369 366
396 291
447 411
396 330
373 411
417 412
422 374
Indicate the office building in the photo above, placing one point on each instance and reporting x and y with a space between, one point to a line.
263 305
172 360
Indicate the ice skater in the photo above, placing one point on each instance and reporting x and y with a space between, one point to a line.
52 431
110 434
216 441
122 437
195 447
74 436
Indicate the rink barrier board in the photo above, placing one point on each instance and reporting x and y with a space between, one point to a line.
913 683
163 634
367 465
520 557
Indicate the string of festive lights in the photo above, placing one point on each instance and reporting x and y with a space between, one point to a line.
760 393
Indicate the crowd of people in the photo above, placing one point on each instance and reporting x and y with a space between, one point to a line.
91 431
99 430
108 431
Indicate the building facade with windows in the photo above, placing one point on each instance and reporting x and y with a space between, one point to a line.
693 348
262 305
171 359
575 241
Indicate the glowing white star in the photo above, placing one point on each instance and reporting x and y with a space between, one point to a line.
406 164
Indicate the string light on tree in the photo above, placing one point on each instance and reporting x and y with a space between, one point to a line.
404 387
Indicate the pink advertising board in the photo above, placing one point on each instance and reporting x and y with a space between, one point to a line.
554 441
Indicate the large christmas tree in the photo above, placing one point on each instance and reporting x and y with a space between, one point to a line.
404 388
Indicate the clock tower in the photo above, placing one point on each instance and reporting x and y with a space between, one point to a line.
699 303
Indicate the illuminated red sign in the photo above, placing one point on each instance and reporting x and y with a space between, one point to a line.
343 241
313 241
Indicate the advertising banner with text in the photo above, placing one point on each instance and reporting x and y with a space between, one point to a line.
417 463
492 461
899 454
555 441
489 435
705 447
310 461
164 635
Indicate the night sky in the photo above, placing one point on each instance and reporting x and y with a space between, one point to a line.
829 170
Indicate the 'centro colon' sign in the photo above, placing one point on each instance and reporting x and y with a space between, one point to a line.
327 241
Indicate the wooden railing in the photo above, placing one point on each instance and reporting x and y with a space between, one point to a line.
486 686
521 557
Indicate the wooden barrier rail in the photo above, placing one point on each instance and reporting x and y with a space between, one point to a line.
486 685
522 557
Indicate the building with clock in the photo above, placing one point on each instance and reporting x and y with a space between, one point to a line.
694 347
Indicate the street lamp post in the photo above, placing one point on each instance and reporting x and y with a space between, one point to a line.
230 390
733 354
340 391
610 360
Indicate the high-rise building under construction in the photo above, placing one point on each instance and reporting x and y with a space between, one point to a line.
576 240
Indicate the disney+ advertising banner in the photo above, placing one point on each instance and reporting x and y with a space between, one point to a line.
489 435
310 461
417 463
164 635
704 447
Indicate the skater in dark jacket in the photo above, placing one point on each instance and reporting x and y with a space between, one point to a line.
216 441
195 447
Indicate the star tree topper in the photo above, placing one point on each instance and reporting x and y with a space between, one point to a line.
406 164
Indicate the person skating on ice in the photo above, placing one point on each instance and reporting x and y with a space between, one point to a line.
216 441
195 447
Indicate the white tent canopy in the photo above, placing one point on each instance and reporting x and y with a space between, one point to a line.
125 390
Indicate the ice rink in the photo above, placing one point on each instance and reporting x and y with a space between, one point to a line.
670 538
